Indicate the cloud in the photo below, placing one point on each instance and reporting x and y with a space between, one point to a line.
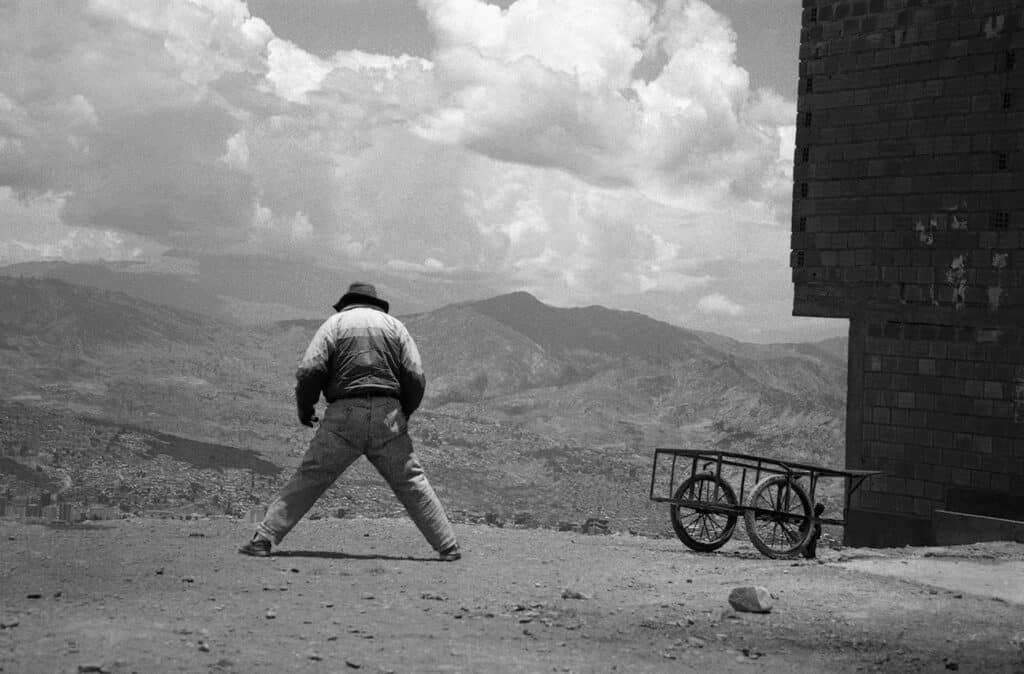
32 230
615 161
717 303
518 87
293 72
203 38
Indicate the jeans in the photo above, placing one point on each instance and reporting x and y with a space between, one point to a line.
376 427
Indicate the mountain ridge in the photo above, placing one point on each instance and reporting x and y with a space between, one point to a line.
530 408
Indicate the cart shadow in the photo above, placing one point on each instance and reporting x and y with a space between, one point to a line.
327 554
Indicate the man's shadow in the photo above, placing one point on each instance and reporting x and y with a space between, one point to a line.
325 554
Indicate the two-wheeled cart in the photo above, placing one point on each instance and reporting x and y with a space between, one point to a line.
776 498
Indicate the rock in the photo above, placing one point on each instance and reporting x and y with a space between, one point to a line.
568 593
271 614
90 667
751 599
953 666
596 526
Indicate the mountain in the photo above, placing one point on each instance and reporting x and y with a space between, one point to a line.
167 289
59 313
533 412
250 289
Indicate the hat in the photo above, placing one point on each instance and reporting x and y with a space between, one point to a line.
361 293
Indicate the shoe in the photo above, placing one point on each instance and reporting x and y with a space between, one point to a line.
450 554
257 547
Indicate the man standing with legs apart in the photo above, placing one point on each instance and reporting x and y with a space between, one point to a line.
369 370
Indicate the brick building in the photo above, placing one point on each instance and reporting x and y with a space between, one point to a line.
908 220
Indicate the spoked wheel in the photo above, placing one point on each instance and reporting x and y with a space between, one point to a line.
707 518
778 517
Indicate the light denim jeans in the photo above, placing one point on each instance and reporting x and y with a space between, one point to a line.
351 427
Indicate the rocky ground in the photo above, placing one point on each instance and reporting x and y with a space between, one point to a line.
147 595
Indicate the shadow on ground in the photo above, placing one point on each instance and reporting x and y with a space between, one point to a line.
329 554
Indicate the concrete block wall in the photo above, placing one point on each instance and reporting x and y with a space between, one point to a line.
908 162
939 409
908 219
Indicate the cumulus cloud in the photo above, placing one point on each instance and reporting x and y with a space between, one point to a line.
294 72
203 38
717 303
32 230
616 160
518 87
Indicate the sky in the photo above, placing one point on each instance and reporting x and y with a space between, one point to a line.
628 153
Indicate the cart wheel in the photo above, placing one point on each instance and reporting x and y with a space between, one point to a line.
704 528
778 517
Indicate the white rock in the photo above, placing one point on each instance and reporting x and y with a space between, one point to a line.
751 599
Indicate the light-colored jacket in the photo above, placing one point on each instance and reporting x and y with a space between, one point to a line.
361 351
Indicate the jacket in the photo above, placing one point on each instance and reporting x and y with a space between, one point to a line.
361 351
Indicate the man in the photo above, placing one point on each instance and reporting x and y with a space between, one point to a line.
368 368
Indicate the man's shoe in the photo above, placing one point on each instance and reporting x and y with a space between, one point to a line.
451 554
257 547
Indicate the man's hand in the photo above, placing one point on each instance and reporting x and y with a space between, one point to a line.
308 417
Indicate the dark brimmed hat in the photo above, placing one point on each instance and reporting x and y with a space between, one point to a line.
361 293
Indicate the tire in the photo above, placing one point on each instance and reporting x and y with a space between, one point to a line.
778 517
700 529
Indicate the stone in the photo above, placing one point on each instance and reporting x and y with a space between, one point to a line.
751 599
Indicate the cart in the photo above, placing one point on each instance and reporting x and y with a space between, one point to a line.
779 512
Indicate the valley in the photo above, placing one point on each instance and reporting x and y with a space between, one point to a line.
534 415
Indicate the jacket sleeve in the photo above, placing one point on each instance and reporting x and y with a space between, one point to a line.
313 368
411 377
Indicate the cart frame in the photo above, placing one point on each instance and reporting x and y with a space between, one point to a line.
790 508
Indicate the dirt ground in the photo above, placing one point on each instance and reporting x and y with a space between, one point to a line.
147 595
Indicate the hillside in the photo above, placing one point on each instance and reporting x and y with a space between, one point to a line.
53 312
534 413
